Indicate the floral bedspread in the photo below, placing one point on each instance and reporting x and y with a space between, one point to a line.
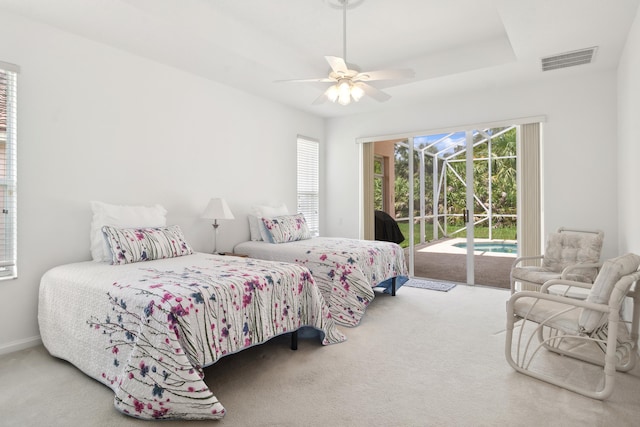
147 329
346 270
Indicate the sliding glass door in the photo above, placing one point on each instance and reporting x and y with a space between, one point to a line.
453 196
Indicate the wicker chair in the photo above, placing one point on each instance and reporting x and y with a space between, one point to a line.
585 330
569 254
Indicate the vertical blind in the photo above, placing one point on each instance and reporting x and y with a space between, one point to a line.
8 102
530 209
308 183
368 214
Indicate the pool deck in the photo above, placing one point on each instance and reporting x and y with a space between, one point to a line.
442 260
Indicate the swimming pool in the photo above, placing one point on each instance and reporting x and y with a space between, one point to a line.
507 248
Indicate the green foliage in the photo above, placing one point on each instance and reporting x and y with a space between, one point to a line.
503 180
502 233
378 203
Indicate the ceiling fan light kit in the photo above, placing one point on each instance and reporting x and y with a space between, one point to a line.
348 84
343 91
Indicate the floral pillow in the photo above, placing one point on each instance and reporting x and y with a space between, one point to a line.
123 217
259 211
286 228
129 245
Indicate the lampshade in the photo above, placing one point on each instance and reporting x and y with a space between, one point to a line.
357 92
217 209
332 93
344 92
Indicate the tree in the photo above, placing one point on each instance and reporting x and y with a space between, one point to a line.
503 178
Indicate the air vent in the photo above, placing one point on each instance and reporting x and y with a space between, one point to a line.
569 59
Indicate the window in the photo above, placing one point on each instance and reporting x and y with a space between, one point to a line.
8 101
308 183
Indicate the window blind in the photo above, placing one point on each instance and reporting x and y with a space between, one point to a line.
308 183
368 215
530 196
8 176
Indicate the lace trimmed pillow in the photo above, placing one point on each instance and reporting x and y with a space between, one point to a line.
286 228
128 245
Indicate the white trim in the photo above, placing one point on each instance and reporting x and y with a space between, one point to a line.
470 193
299 136
9 67
20 345
412 240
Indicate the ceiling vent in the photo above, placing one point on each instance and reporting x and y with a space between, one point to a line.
569 59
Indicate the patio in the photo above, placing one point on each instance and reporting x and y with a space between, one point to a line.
441 260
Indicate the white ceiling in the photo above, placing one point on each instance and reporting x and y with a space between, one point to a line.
452 45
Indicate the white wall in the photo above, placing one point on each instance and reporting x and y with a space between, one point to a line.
629 142
95 123
580 150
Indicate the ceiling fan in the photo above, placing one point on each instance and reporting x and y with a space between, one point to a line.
347 82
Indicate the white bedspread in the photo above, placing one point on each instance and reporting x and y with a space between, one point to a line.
346 270
146 330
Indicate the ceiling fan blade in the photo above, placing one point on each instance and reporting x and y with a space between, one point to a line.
398 74
337 65
316 80
374 93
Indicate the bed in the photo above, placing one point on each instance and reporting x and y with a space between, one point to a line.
346 270
147 329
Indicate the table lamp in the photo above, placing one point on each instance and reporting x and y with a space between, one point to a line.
217 209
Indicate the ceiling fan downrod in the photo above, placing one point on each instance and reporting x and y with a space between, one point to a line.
344 5
344 30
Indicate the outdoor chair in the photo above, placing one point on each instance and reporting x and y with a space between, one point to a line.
585 330
569 254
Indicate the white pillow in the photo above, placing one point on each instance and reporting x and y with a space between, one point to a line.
123 217
611 272
254 227
263 211
271 211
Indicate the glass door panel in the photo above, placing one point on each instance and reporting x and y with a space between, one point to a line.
465 197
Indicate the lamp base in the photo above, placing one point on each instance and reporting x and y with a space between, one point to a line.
215 236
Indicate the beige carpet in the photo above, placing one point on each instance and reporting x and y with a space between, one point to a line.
422 358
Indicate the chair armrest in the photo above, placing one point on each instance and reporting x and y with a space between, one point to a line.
518 260
626 284
569 269
556 298
567 284
564 282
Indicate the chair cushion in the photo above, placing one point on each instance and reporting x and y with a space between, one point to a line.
547 312
611 272
568 248
540 275
532 274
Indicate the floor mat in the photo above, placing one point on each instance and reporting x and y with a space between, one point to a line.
430 284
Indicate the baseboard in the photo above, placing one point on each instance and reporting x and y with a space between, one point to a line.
20 345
